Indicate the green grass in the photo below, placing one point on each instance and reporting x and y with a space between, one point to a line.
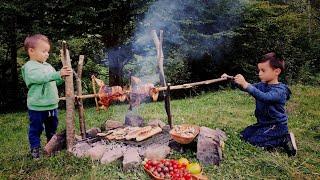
229 110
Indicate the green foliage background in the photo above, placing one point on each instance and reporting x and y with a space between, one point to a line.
291 28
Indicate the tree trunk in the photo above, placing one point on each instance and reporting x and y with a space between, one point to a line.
309 16
13 81
115 72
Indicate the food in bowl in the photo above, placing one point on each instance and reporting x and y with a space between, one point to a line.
184 134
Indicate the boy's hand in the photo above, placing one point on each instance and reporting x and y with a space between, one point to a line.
239 79
224 75
65 71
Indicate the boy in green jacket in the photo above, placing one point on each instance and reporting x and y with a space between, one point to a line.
42 80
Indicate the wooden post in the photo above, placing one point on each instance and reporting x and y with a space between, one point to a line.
167 104
66 61
158 42
79 100
95 92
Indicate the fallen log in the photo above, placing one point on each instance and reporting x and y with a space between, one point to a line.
56 143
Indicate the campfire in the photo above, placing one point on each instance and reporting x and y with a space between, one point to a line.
134 139
153 140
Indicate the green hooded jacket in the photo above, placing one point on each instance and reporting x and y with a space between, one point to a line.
42 80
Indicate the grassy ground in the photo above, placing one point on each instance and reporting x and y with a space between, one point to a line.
229 110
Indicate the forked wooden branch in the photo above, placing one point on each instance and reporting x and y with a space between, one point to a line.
66 61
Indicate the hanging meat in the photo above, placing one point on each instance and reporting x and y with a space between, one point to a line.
140 92
107 94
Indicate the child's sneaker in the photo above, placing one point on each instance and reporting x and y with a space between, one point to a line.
290 145
35 153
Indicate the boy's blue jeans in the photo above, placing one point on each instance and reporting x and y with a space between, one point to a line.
40 120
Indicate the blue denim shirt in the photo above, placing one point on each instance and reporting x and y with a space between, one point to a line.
270 102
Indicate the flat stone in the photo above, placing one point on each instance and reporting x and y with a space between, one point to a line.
156 122
131 159
134 120
157 152
80 149
209 144
111 155
111 124
96 152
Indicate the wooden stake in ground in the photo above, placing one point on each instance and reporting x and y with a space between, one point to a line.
95 92
79 100
158 42
66 61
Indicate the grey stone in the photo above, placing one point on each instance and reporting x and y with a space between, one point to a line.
80 149
209 144
157 152
131 159
96 152
111 124
111 155
156 122
134 120
93 132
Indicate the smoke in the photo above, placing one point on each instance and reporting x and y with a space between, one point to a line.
193 28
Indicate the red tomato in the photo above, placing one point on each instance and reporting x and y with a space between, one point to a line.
187 176
175 166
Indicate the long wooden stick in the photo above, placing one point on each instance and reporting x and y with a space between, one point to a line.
66 61
79 100
182 86
190 85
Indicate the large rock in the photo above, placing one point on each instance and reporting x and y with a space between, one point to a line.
156 122
96 152
111 155
93 132
80 149
131 159
157 152
209 146
134 120
111 124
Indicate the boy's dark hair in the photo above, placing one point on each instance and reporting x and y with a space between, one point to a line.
31 41
274 59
